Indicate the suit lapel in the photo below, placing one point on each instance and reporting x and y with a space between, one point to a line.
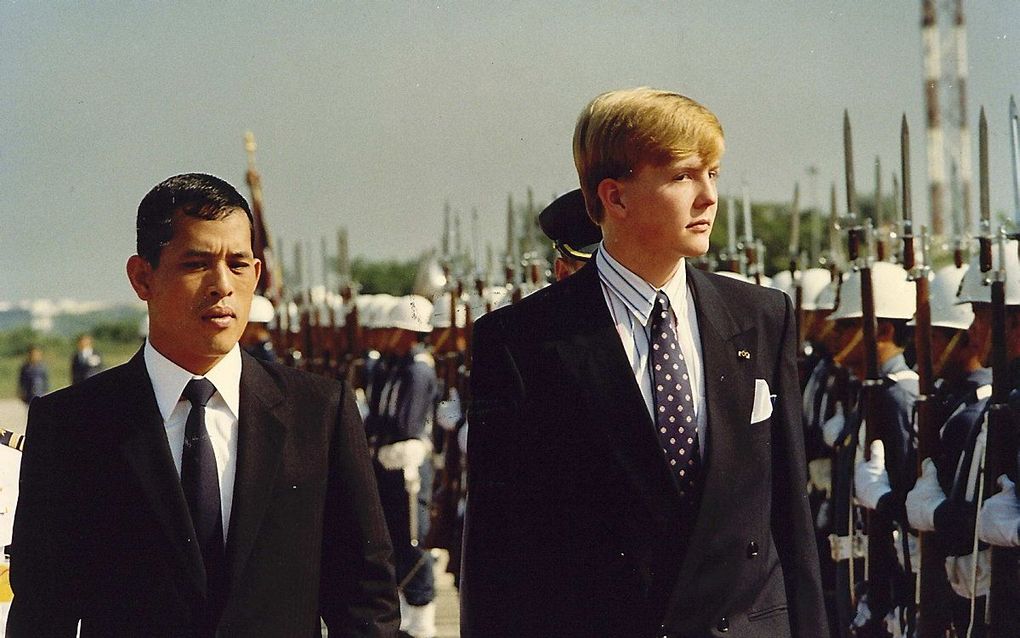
146 450
729 393
592 347
260 440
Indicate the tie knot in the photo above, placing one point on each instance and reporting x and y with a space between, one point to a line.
662 300
199 391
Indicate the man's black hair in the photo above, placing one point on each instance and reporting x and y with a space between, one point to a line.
194 194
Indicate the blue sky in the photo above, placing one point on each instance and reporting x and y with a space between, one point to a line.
374 114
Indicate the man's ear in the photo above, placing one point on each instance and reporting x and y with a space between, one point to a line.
610 192
139 272
257 264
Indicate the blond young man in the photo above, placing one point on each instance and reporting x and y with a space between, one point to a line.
636 464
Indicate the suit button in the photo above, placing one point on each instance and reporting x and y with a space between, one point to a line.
752 549
724 625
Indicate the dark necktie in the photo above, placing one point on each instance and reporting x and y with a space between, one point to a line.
201 484
674 405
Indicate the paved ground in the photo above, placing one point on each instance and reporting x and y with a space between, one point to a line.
13 416
447 604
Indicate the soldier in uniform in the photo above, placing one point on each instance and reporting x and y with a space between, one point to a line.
566 222
818 299
944 499
401 429
880 484
85 361
999 518
255 339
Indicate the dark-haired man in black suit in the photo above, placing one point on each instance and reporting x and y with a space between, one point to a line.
636 462
196 491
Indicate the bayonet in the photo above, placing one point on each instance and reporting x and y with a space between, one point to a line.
1014 154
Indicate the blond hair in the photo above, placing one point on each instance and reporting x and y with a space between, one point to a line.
620 131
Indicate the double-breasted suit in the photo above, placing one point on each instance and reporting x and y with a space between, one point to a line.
103 534
574 526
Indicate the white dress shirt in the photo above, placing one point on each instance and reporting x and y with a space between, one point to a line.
221 413
631 300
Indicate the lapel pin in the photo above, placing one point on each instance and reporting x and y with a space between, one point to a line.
743 354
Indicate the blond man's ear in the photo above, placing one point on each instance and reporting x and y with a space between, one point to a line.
610 193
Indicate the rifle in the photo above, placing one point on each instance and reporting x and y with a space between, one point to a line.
1003 614
270 282
731 259
859 244
750 246
446 494
933 617
794 252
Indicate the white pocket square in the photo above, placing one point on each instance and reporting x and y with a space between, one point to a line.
762 408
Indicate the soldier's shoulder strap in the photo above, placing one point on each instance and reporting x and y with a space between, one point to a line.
12 440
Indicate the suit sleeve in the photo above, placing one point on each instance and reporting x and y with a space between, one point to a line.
791 515
357 595
44 574
494 594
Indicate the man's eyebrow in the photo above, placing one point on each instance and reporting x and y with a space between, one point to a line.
195 252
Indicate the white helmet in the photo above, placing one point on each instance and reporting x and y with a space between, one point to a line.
378 311
411 312
783 280
363 304
826 299
441 312
945 311
262 310
895 295
976 287
498 296
812 282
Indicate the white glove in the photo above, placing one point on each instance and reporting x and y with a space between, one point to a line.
924 498
999 519
870 479
462 438
962 577
362 401
832 428
448 412
404 455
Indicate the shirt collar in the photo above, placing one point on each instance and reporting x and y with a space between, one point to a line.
637 294
169 379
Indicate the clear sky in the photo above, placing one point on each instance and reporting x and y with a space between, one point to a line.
373 114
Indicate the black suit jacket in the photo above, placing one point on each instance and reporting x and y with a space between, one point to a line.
102 531
573 526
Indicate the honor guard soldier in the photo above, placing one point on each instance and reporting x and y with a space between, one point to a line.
566 222
881 484
999 519
255 339
818 299
944 499
401 431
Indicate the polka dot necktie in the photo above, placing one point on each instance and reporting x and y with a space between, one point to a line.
674 405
